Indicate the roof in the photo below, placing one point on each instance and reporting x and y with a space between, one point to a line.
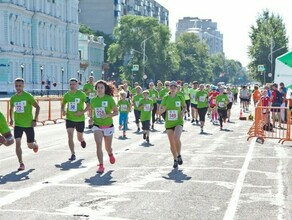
286 58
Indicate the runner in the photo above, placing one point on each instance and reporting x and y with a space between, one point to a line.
153 94
244 97
202 99
146 106
75 99
89 90
256 95
277 100
222 102
124 109
6 137
194 103
136 100
174 106
230 102
213 105
103 108
159 99
21 105
186 91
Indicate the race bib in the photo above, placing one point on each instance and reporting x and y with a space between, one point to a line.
91 95
177 104
104 104
137 104
124 108
19 106
147 107
172 115
72 107
77 100
99 111
213 101
202 98
221 104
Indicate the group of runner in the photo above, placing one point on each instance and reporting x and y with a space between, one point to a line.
171 101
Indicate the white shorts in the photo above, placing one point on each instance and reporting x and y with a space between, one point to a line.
106 131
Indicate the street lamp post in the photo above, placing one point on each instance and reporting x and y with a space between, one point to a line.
22 68
144 57
78 75
42 69
62 69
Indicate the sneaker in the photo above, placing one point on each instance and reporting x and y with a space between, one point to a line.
73 157
197 122
144 136
175 164
193 120
21 167
147 139
90 126
112 158
124 134
138 130
35 147
100 168
221 128
202 131
179 160
152 126
83 144
185 118
189 115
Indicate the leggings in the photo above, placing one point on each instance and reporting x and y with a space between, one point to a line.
188 103
123 120
154 112
202 113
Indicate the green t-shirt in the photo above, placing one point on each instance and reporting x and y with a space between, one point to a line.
133 91
100 106
89 90
75 102
193 93
222 101
181 93
173 110
145 106
186 92
202 99
163 93
22 105
153 94
136 100
124 106
3 125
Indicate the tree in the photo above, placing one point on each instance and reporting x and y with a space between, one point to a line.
268 41
130 35
194 59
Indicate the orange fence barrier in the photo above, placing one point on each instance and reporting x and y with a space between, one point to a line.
50 109
271 123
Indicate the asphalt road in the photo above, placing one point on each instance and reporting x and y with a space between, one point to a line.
223 177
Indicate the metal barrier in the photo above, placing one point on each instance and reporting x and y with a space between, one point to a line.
269 123
50 109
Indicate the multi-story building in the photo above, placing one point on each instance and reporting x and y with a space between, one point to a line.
206 30
104 15
91 54
39 42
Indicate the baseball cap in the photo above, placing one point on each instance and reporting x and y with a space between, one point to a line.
173 83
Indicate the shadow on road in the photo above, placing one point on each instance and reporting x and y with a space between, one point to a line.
101 179
177 175
15 176
70 165
145 144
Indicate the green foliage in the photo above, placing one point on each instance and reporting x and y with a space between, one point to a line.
268 35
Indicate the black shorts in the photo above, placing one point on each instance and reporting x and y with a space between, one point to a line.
222 113
146 125
74 124
18 132
202 113
173 128
194 105
229 106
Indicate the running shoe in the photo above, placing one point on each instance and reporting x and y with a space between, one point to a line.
112 158
83 144
185 118
144 136
193 120
202 131
175 164
138 130
124 134
90 126
100 168
152 126
221 128
21 167
147 139
35 147
189 115
73 157
197 122
179 160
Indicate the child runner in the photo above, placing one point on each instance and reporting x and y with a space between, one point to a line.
174 106
124 109
146 106
186 91
230 102
103 108
213 106
6 137
75 99
136 100
21 103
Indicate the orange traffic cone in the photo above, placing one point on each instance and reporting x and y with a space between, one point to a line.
241 117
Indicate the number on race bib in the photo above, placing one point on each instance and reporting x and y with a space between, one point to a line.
221 104
99 111
172 115
72 107
147 107
124 108
91 95
202 98
19 107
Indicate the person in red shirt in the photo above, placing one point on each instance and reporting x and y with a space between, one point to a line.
265 102
212 100
277 104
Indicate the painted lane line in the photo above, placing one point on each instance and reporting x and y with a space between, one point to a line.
232 206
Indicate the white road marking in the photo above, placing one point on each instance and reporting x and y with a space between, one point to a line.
232 206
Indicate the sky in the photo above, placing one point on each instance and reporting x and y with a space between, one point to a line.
234 19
